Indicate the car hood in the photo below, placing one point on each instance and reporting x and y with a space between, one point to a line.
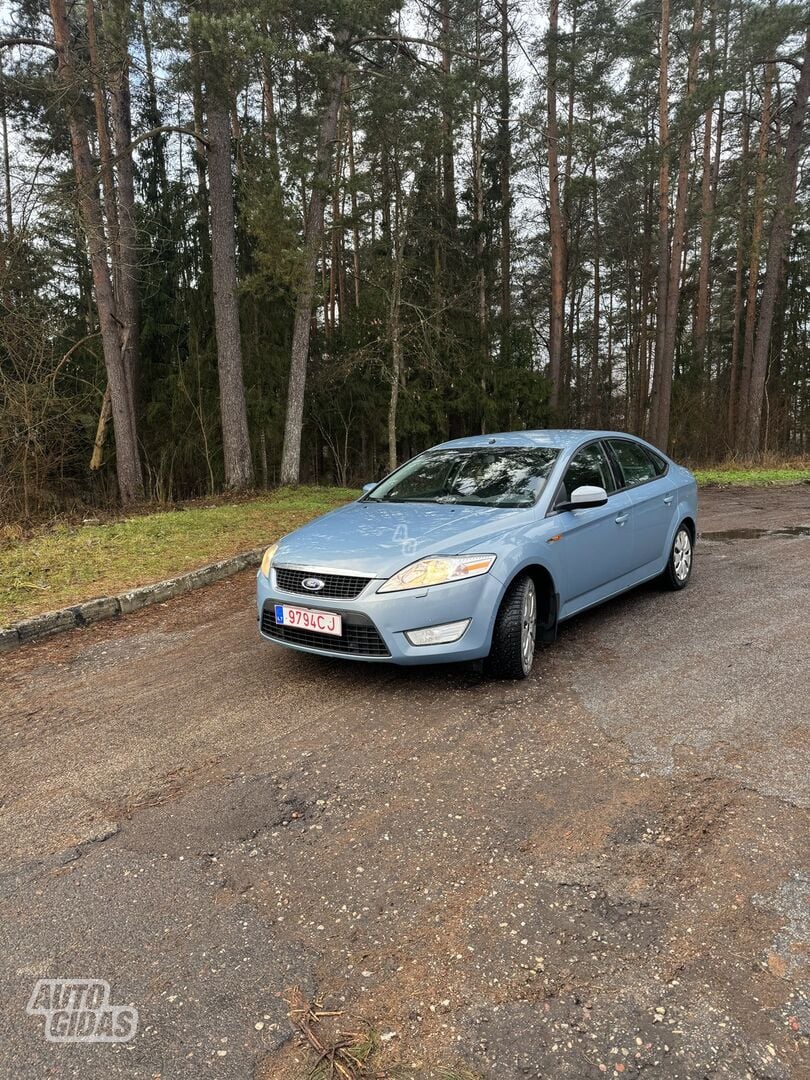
377 538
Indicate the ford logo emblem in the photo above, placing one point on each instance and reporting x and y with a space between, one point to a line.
313 584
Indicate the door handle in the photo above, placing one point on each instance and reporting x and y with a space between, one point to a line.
668 500
620 520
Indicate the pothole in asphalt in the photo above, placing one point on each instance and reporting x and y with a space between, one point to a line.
637 829
756 534
790 954
215 817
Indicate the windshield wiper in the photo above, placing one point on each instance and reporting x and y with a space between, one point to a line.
389 499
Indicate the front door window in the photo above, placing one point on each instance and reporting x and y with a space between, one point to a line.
589 467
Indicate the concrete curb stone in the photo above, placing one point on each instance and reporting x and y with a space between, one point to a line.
107 607
9 639
49 622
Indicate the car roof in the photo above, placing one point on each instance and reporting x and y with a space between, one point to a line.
558 438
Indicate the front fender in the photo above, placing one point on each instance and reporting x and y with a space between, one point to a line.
547 573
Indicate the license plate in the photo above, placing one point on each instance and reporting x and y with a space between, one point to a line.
322 622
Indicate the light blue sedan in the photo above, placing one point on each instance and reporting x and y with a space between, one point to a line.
481 547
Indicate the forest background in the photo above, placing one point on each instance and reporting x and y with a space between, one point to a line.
257 243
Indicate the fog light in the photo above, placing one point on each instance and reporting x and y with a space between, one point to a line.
437 635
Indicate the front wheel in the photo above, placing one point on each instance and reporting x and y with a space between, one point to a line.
515 633
679 566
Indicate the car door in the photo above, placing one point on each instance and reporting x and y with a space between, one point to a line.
651 496
595 543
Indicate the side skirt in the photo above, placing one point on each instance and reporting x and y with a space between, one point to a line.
596 601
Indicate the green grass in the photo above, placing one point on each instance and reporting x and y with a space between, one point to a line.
65 564
751 477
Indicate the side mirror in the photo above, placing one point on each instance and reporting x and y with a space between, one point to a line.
582 498
368 487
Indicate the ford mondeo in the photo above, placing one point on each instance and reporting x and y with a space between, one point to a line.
479 548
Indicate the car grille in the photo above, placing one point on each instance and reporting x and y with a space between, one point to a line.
335 586
360 636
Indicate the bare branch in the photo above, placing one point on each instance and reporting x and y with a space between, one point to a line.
76 345
10 42
402 42
178 129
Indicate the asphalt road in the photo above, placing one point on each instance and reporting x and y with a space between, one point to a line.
604 870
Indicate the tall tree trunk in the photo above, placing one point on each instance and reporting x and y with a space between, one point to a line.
327 324
313 236
353 196
448 151
233 409
152 111
645 291
708 196
607 410
271 123
336 227
706 213
478 218
572 245
664 398
505 178
300 128
595 409
568 410
6 161
663 220
128 466
739 277
394 335
558 245
203 227
125 274
706 207
753 263
777 246
103 136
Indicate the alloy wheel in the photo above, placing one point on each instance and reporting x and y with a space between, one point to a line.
528 626
682 555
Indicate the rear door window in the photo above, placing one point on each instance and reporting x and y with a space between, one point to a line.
635 463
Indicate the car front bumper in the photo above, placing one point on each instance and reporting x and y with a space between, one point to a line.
391 615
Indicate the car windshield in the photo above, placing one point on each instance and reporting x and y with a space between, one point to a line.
510 476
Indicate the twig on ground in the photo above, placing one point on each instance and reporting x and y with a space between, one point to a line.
345 1055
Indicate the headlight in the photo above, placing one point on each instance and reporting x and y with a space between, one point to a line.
267 558
437 570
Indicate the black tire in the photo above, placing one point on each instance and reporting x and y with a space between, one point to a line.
680 561
507 658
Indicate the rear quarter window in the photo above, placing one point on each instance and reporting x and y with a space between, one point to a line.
658 463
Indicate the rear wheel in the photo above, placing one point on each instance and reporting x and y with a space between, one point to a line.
515 633
679 567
